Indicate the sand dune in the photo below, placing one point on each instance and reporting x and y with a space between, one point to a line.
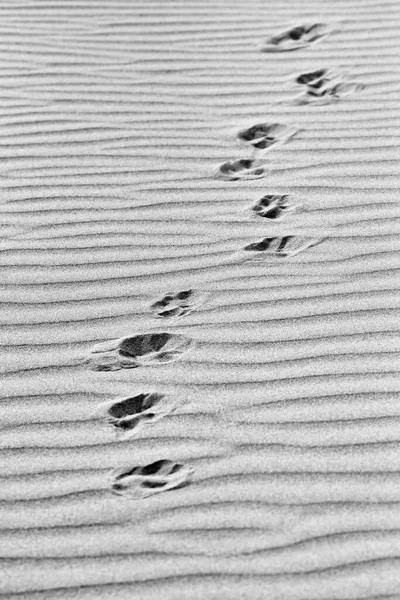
152 314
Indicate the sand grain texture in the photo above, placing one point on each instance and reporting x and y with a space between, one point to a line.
284 406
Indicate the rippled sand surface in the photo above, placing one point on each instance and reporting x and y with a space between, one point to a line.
200 349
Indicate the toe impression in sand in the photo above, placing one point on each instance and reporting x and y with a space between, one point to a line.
296 37
139 350
142 481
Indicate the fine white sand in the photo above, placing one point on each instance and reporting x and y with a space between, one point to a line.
279 380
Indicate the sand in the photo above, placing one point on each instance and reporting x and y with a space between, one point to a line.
152 312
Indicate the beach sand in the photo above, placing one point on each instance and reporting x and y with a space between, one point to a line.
191 407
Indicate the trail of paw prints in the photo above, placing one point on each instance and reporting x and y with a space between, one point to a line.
143 481
325 86
296 37
139 350
125 416
179 304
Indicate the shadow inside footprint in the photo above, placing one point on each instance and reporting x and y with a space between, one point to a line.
273 207
263 136
134 351
259 246
296 37
142 481
244 168
126 414
179 304
285 246
312 77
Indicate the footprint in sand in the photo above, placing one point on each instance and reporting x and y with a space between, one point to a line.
328 93
143 481
297 37
273 206
138 350
285 246
241 169
324 87
126 415
263 136
178 305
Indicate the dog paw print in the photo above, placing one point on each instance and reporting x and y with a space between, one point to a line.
241 169
295 38
264 136
324 86
285 246
139 350
143 481
178 305
126 415
274 207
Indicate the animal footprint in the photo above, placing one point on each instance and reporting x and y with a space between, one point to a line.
324 87
286 246
296 37
179 304
273 207
264 136
241 169
138 350
143 481
126 414
328 94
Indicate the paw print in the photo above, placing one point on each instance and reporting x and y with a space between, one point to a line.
241 169
142 481
324 86
285 246
139 350
126 415
273 207
264 136
297 37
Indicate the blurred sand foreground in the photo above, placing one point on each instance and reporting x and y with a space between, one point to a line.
263 386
